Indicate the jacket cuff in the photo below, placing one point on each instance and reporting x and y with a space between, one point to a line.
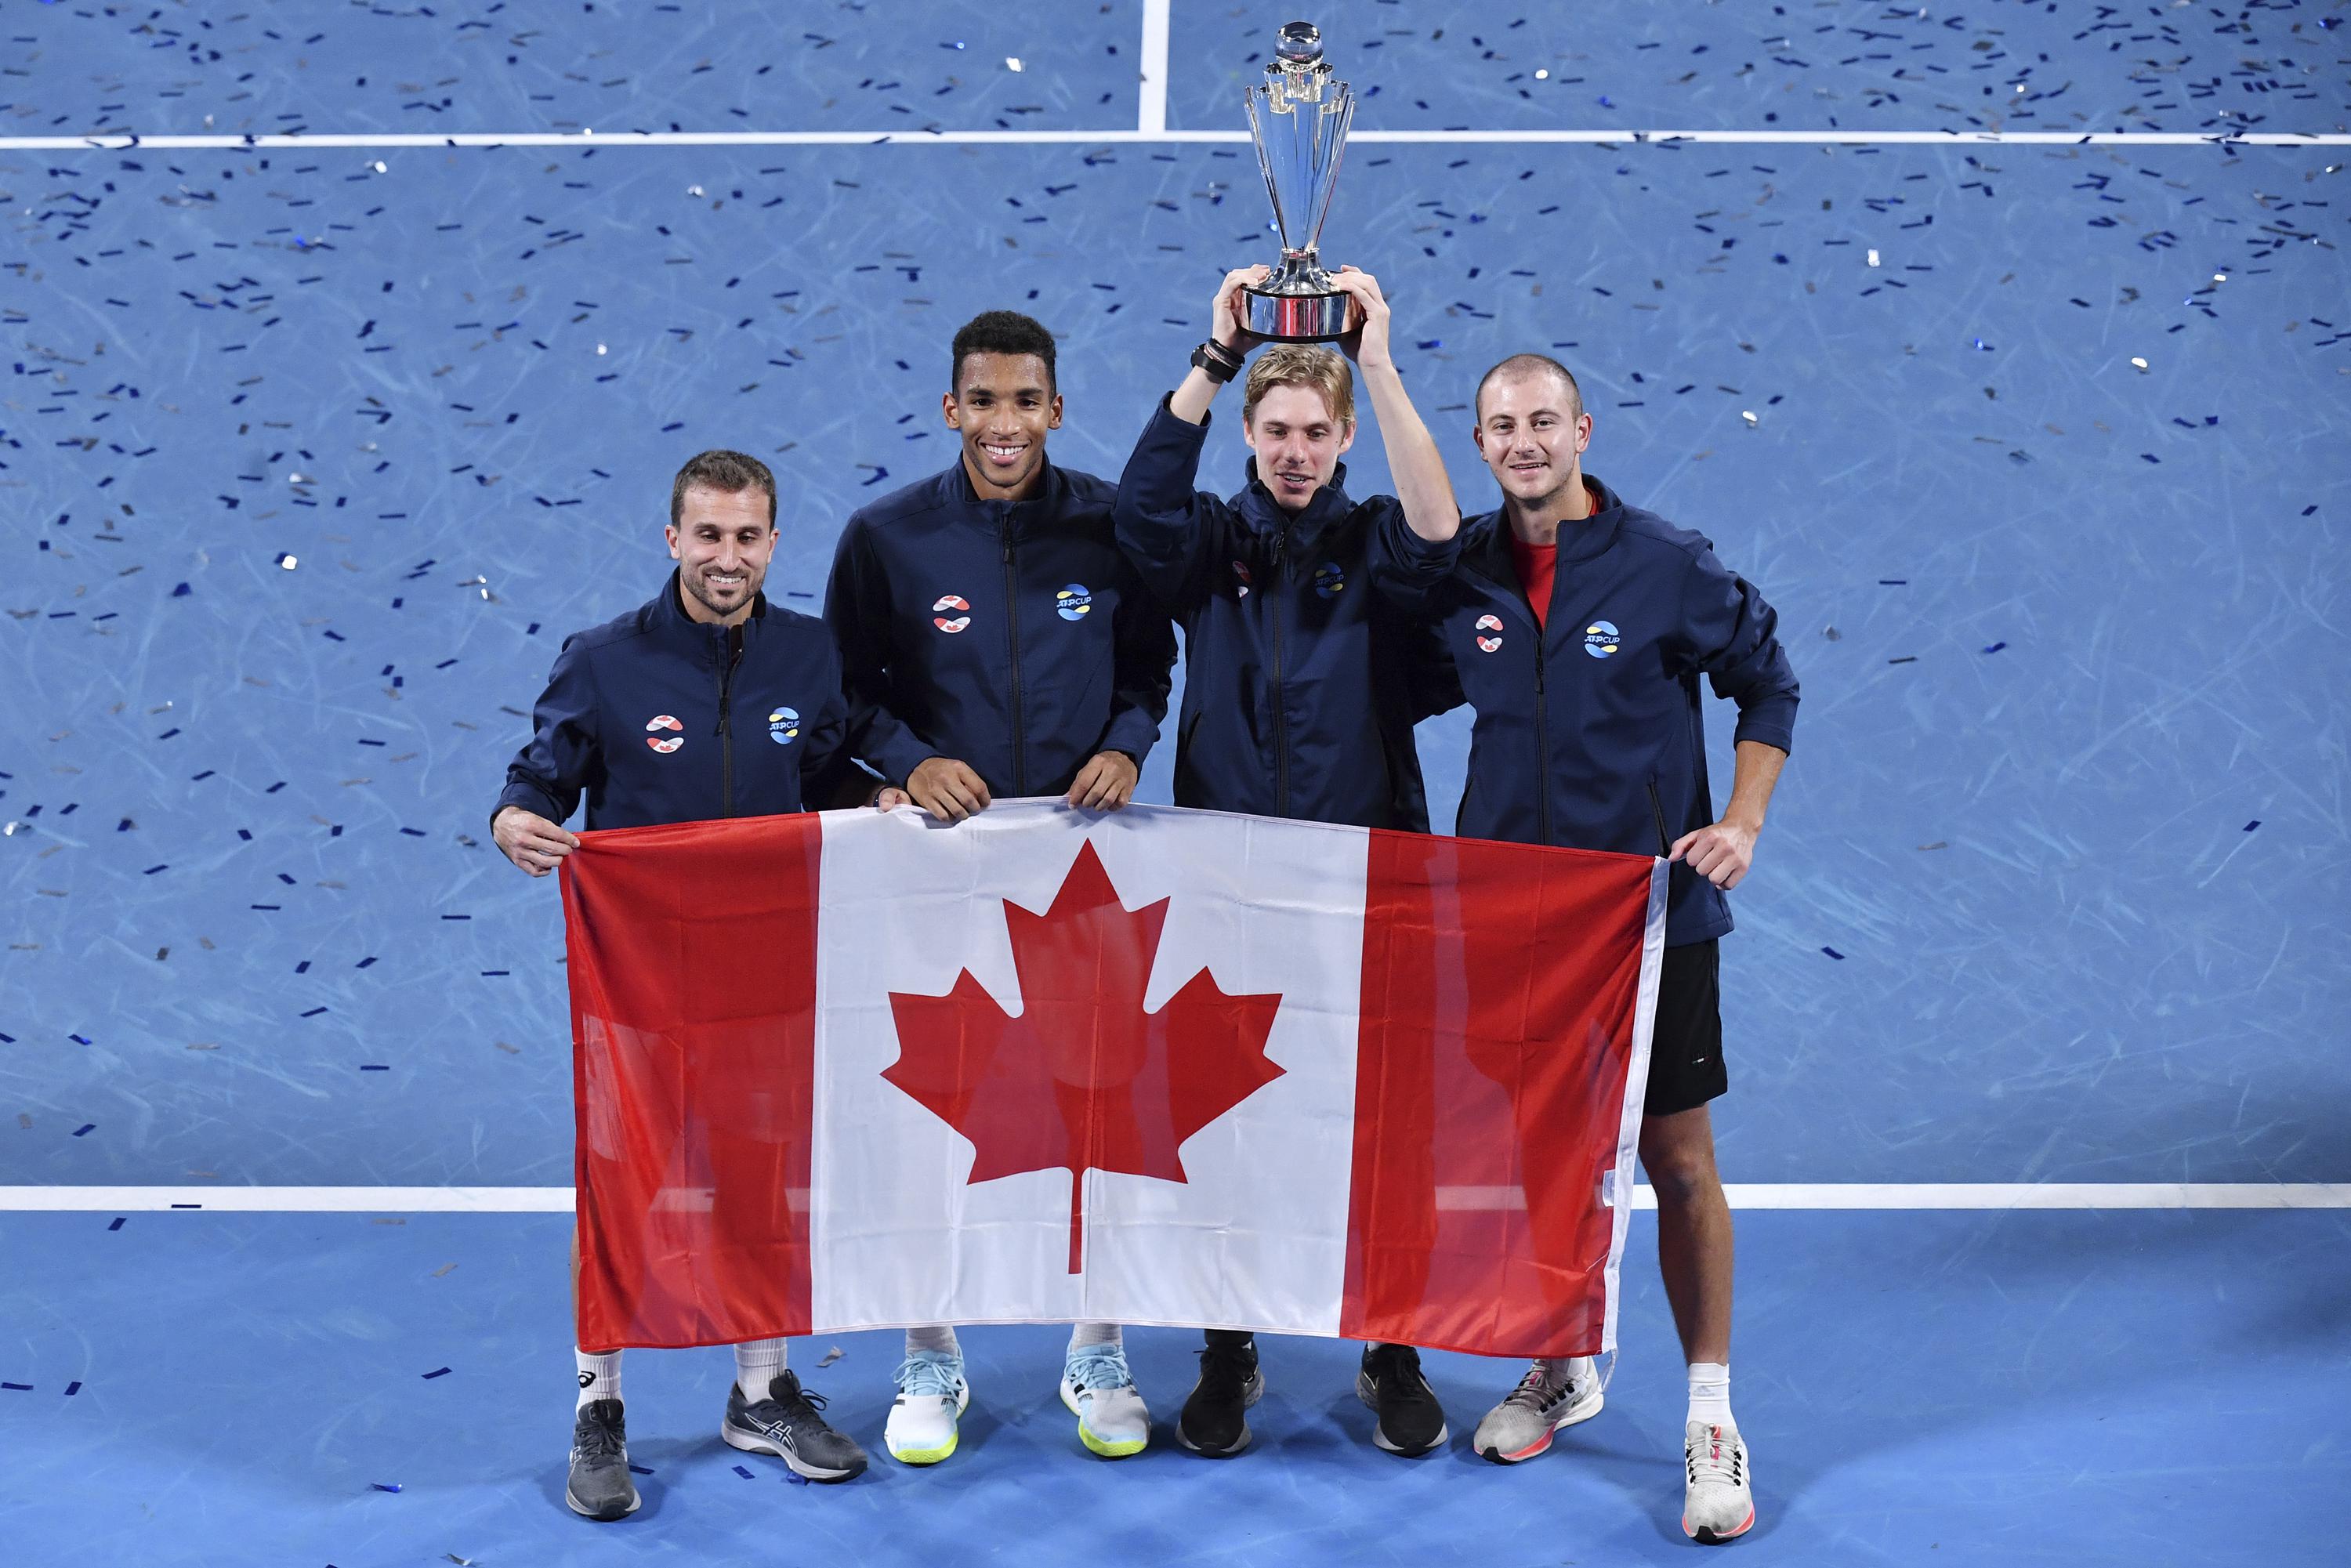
900 755
1132 732
530 797
1771 721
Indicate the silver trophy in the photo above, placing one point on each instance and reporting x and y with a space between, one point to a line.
1299 119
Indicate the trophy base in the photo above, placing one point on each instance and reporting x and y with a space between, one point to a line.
1302 318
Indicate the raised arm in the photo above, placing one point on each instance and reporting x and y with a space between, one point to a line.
1412 460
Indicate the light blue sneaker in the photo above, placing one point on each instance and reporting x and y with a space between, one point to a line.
1099 1392
932 1393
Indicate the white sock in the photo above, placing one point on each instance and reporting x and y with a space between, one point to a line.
1710 1386
1572 1371
757 1362
939 1338
1083 1334
599 1376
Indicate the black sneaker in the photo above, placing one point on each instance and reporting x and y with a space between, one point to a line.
1214 1421
786 1424
1411 1420
600 1486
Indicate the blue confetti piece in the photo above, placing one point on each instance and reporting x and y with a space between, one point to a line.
118 1222
85 1127
2252 825
28 1388
741 1471
73 1388
1995 648
373 1067
1834 954
182 591
79 1039
442 1372
385 1486
639 1470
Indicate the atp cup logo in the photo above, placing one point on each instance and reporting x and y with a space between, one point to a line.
1600 639
1330 580
658 723
951 613
1489 624
783 726
1071 603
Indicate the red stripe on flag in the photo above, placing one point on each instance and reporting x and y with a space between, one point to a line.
1500 985
693 969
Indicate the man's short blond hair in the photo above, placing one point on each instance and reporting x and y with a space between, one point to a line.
1301 365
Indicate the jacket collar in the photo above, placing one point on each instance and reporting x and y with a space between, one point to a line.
664 616
1043 502
1486 551
1331 503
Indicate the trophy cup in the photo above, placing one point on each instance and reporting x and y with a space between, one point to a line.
1298 118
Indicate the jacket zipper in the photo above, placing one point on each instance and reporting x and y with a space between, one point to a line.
1280 720
1542 743
1012 635
1657 809
726 662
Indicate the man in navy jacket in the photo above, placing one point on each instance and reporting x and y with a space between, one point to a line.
705 702
1300 684
994 641
1579 628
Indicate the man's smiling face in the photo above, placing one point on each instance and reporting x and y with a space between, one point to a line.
1002 406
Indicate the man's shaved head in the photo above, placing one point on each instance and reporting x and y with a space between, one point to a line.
1518 365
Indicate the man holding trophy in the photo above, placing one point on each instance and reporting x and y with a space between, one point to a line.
1299 695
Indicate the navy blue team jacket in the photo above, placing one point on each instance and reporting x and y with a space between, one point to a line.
657 718
1591 736
1301 681
1011 636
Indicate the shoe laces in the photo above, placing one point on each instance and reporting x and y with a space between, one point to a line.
1397 1364
596 1439
1223 1368
921 1376
1717 1456
1539 1388
1098 1370
802 1402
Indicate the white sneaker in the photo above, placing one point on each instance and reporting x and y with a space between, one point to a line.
1552 1394
930 1394
1719 1504
1100 1391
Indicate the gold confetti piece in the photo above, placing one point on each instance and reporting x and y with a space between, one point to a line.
835 1353
443 1270
509 1050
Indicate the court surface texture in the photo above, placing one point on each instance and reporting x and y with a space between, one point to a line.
2007 348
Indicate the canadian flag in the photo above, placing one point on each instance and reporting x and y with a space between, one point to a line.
859 1070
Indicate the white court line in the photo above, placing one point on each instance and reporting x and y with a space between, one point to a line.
388 140
1823 1195
1150 105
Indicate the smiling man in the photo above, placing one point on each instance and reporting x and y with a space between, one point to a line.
1300 689
1580 627
705 701
996 642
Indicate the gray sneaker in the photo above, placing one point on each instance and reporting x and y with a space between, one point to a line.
1719 1504
786 1424
600 1487
1552 1394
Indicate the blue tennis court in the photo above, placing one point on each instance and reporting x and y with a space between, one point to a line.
350 352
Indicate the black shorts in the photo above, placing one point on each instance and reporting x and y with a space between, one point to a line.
1685 1067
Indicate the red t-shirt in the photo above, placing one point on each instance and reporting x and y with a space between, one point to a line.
1538 564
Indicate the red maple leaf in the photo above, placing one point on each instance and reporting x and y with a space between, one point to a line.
1083 1078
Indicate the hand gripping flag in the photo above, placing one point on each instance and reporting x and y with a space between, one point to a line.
862 1070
